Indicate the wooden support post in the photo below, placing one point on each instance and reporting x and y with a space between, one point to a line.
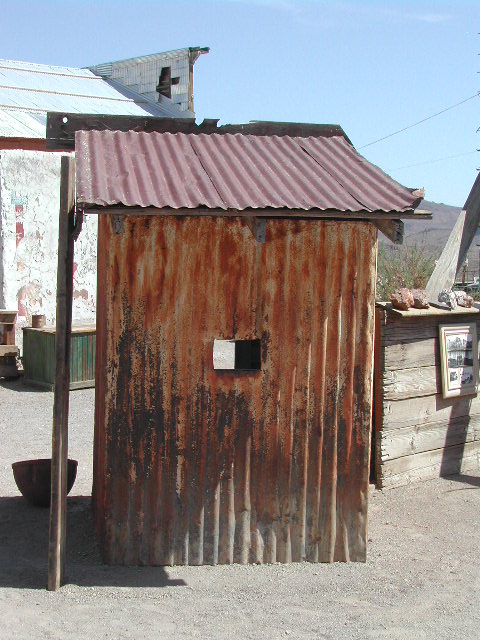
458 244
58 502
393 229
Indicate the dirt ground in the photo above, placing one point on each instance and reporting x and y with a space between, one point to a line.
421 579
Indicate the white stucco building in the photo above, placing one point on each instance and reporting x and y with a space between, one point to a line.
159 85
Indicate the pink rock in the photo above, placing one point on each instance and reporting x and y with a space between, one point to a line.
420 299
402 299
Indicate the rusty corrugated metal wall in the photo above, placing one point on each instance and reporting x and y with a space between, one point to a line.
193 465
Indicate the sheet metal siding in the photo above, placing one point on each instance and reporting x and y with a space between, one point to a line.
231 171
195 466
143 77
142 74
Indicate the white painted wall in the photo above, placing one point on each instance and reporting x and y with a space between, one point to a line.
29 209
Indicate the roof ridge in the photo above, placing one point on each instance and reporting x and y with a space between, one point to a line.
149 56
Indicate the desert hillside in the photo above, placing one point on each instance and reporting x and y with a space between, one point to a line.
433 234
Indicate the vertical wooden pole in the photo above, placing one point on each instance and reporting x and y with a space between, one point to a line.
58 502
457 246
191 62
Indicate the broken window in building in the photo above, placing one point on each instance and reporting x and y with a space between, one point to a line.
165 82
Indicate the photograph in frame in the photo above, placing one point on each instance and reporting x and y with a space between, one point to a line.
459 359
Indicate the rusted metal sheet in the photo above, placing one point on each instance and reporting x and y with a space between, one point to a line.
232 171
195 465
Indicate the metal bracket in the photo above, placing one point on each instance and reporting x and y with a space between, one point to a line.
258 227
118 225
77 224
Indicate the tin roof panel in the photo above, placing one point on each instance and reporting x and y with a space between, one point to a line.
27 89
232 171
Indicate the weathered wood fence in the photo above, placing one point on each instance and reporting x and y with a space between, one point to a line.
418 434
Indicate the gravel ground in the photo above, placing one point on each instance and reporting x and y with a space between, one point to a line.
421 579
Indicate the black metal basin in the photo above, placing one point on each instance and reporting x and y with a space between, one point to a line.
33 479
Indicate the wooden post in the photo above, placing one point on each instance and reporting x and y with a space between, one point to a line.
458 244
58 502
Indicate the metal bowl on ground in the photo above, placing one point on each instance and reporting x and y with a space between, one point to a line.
33 479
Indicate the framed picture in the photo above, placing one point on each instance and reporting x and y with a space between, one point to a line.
459 359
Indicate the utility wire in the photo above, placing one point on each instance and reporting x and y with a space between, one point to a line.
418 164
420 121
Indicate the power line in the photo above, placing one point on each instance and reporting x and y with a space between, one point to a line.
418 164
420 121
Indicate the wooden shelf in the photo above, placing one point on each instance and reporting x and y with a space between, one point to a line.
433 310
8 350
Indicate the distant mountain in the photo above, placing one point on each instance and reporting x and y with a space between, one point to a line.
432 233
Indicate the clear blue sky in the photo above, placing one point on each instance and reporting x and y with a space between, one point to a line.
372 67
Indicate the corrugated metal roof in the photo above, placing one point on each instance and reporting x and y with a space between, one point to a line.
151 57
16 123
28 91
231 171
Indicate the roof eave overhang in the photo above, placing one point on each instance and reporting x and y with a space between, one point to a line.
310 214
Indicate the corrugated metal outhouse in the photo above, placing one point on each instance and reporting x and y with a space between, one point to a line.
236 285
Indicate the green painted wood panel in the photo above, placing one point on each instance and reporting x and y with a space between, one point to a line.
39 358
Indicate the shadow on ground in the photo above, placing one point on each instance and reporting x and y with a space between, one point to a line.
474 481
18 385
24 550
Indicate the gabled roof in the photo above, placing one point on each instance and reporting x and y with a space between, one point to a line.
105 68
28 91
234 172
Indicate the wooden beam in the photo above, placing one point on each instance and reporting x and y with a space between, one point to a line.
458 244
419 438
191 61
427 459
61 127
58 502
408 383
301 214
426 410
393 229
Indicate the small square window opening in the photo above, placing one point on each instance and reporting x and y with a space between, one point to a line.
237 355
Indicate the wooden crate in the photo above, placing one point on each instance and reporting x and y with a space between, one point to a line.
418 434
8 350
39 356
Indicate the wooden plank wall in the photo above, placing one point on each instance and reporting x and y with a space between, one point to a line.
419 434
